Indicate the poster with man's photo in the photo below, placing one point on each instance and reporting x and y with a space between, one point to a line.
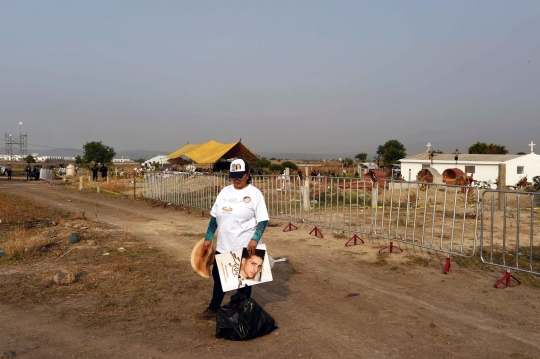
238 269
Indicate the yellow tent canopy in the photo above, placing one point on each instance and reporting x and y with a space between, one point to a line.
212 151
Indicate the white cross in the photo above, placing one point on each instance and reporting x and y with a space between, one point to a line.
532 145
428 147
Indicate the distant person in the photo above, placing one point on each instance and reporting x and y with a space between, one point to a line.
8 172
28 171
36 172
103 170
94 173
76 170
300 174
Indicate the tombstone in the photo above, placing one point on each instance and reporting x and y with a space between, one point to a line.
70 170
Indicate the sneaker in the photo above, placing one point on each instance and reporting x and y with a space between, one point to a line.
207 314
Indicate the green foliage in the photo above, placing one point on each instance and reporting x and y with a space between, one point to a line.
484 148
438 152
289 164
140 160
262 163
362 157
30 159
391 152
521 153
536 182
348 162
276 167
79 160
97 152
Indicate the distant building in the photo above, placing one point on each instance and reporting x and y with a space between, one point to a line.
53 158
162 160
122 160
482 167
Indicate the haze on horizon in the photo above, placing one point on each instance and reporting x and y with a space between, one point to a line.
337 77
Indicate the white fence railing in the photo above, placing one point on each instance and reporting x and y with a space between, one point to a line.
438 217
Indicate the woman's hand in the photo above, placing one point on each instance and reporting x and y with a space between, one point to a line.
251 246
206 246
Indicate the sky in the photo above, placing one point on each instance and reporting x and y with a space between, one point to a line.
340 77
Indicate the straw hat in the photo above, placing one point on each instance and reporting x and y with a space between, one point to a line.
201 263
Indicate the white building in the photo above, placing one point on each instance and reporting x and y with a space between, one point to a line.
122 160
161 159
482 167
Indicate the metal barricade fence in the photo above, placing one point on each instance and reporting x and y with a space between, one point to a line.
438 217
509 236
336 203
282 195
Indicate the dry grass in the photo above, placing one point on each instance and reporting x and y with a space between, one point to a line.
118 280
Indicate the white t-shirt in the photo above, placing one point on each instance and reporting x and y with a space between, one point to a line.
237 213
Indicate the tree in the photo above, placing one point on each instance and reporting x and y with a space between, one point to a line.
262 163
97 152
484 148
30 159
391 152
276 167
348 162
289 164
361 157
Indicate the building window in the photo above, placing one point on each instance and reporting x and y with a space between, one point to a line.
469 169
520 170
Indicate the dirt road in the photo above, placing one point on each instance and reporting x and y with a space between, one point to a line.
329 301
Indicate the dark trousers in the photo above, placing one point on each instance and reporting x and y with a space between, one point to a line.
218 294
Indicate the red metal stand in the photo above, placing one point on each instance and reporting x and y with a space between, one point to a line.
187 210
447 265
390 248
176 208
354 238
202 214
289 227
164 205
507 280
317 233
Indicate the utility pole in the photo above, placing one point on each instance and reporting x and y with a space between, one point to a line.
20 141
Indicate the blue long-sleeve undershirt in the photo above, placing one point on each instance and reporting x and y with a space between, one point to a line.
259 230
212 226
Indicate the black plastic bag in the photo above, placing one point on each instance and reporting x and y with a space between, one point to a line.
242 319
